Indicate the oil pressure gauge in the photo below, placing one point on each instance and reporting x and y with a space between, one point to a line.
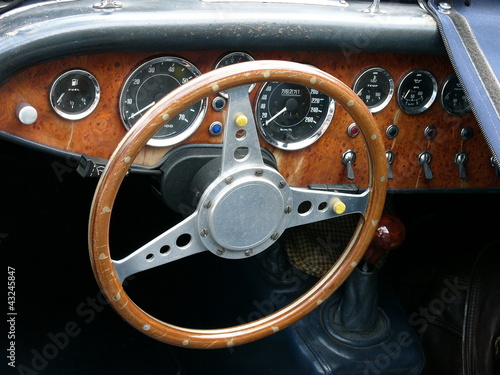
417 91
75 94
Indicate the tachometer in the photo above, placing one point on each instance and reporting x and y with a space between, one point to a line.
291 116
148 84
375 87
417 91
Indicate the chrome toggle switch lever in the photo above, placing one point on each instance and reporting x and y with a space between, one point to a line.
424 160
460 159
348 159
494 164
390 159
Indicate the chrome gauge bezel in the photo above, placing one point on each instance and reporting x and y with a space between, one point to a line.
94 84
427 102
292 146
193 124
443 92
387 95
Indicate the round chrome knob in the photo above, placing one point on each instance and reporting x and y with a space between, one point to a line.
26 113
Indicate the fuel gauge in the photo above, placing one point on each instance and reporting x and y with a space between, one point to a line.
75 94
375 87
417 91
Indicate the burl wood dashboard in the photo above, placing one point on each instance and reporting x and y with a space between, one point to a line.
99 133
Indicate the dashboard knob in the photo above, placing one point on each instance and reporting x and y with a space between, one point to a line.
26 113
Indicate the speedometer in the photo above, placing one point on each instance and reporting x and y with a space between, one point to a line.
148 84
291 116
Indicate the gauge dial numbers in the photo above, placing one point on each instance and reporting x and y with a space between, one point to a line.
75 94
375 86
147 85
417 91
453 98
291 116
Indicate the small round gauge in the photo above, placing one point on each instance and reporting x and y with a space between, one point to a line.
75 94
417 91
453 98
233 58
148 84
375 87
230 59
291 116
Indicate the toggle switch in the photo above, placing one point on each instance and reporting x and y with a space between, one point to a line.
460 159
348 159
389 155
424 160
494 164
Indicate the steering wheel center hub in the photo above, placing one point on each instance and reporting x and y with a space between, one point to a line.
243 214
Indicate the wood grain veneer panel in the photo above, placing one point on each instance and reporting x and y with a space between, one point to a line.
99 133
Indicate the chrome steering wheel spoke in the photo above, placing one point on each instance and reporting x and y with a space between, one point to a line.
313 205
176 243
241 142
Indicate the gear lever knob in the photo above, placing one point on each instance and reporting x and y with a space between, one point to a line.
389 235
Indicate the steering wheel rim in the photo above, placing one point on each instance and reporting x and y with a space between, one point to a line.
205 85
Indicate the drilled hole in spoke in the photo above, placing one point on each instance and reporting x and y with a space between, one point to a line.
240 134
323 206
165 250
241 153
304 208
150 257
183 241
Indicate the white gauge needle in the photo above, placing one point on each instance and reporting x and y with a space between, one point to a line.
142 110
276 115
60 98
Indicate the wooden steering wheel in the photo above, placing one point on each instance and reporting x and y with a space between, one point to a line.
244 210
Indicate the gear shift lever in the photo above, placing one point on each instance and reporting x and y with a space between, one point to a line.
357 315
362 329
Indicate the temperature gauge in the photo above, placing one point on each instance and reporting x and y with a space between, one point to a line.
75 94
417 91
375 87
